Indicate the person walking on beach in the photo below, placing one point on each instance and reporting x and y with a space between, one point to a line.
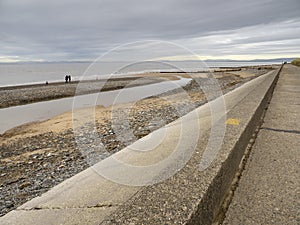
68 78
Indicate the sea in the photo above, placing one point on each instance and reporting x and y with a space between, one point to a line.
13 74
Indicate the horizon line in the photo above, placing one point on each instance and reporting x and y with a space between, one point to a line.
166 60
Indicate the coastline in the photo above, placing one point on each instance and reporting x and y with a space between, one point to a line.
26 94
39 155
31 93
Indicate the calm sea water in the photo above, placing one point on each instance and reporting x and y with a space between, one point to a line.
18 74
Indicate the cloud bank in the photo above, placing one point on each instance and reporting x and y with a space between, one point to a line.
83 30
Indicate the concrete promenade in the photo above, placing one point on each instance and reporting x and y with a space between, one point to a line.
269 188
192 195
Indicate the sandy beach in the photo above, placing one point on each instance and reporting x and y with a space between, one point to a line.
37 156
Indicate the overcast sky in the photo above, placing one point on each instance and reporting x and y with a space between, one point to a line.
58 30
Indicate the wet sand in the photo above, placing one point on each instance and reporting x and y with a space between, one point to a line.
37 156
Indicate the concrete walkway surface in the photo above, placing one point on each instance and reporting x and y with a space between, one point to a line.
269 188
190 196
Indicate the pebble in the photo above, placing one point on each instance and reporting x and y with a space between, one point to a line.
24 185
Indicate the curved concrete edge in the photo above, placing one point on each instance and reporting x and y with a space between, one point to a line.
88 198
193 196
222 182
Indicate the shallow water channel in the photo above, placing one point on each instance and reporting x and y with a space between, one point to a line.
18 115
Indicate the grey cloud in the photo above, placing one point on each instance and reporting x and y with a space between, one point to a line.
84 29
